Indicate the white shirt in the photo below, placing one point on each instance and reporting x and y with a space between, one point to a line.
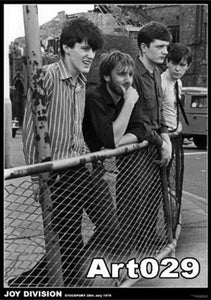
169 103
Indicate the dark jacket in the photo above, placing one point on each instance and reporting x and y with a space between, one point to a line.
150 93
101 112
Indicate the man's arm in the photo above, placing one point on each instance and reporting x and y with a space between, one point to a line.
128 138
28 133
160 138
28 136
28 143
166 150
121 123
99 125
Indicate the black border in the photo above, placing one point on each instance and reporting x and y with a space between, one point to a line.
116 293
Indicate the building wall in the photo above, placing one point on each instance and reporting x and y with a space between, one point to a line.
191 19
106 22
168 14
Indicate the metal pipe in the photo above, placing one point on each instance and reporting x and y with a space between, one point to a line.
166 205
34 63
70 162
169 249
38 104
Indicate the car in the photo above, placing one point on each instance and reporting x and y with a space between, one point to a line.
194 100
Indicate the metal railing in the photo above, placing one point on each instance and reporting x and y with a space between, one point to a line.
116 205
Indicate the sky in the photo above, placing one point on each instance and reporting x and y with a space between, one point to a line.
13 16
14 26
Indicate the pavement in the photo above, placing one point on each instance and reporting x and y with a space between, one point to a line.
192 245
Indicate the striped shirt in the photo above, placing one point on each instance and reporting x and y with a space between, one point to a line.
65 104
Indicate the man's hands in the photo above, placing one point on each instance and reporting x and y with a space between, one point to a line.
130 95
165 151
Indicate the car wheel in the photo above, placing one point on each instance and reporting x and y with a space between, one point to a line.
200 141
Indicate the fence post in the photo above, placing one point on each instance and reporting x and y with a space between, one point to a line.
34 63
166 206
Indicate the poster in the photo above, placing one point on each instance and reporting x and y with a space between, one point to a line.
184 275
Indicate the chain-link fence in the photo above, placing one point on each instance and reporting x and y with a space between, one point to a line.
110 206
175 173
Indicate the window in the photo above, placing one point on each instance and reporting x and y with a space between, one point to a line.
175 33
199 101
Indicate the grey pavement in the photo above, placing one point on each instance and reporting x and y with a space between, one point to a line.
192 242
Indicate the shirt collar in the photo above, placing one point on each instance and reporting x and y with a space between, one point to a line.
66 74
142 69
169 77
140 66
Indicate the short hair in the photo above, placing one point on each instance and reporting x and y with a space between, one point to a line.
108 61
153 31
79 29
177 52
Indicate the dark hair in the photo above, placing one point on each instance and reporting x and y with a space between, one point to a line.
153 31
177 52
77 30
108 61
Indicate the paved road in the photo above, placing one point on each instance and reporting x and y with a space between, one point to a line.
195 177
